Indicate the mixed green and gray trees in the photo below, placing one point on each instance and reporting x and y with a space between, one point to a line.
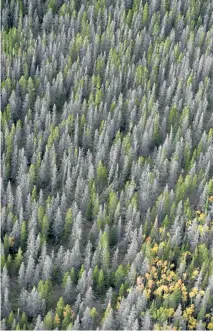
107 167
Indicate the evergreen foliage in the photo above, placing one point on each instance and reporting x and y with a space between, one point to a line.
107 167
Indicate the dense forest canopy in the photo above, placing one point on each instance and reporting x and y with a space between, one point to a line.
107 165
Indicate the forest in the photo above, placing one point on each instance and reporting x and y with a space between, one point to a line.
107 165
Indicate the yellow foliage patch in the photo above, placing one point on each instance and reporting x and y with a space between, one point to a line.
188 311
202 217
192 323
195 273
211 198
155 248
57 319
193 293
